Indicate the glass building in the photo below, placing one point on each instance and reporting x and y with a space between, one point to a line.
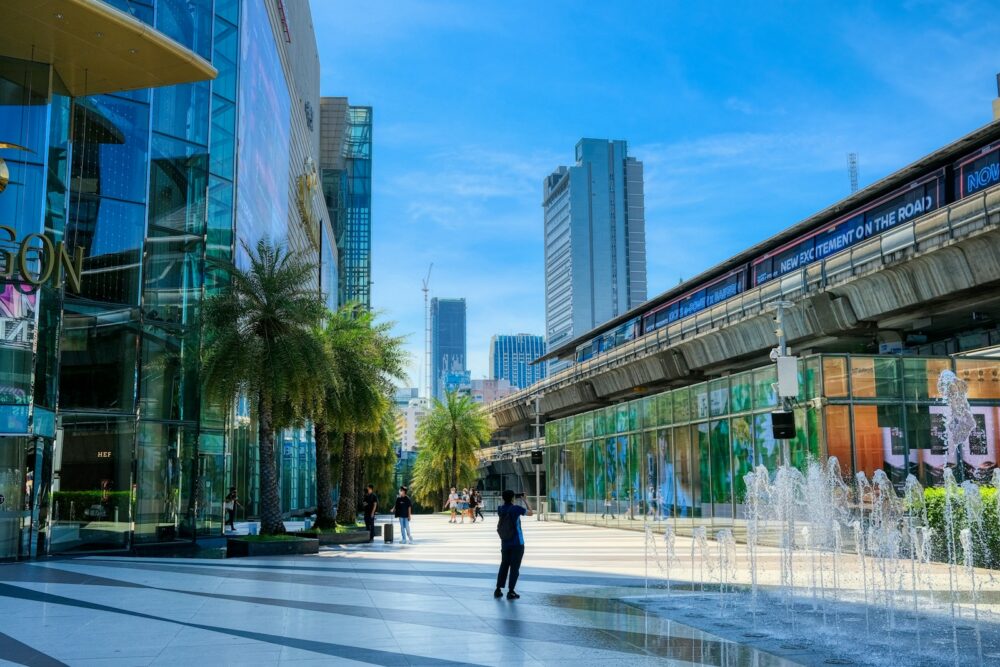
511 357
448 346
346 171
595 241
680 457
123 190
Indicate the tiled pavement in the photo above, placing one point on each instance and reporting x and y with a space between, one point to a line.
428 603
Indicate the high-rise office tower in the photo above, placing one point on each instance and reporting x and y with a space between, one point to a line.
346 172
511 357
595 241
447 343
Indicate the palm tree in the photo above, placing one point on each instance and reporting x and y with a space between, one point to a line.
377 457
450 435
261 341
365 359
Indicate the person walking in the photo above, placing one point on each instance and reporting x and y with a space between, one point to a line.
230 504
473 505
403 510
479 506
370 505
511 542
452 503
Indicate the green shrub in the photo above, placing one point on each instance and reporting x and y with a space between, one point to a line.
75 505
986 541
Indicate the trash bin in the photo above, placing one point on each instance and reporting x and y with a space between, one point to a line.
387 532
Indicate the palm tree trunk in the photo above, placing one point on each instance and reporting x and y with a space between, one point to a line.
325 511
347 510
270 498
454 461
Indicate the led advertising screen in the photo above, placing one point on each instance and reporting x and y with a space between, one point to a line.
263 133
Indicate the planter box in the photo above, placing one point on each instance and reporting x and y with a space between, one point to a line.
351 537
236 547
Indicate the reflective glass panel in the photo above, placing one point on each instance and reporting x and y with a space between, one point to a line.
92 497
834 376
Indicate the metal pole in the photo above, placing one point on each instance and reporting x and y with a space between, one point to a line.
779 318
538 473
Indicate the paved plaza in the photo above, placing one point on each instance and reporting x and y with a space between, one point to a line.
428 603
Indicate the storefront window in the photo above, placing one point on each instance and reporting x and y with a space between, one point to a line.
879 441
158 508
649 417
875 377
703 481
981 375
682 405
722 469
767 449
835 377
808 379
765 393
741 392
685 463
665 408
92 495
838 437
699 401
920 377
741 433
718 397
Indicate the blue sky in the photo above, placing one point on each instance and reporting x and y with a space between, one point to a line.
743 114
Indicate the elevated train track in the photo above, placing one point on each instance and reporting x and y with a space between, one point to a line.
929 274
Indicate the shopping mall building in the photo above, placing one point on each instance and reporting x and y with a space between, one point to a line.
141 140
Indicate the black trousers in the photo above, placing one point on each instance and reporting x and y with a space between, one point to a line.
230 518
370 525
510 561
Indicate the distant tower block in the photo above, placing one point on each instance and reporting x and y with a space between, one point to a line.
852 170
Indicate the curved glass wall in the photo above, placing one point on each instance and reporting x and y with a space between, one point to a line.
680 457
34 122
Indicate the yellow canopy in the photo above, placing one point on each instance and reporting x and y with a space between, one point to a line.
96 48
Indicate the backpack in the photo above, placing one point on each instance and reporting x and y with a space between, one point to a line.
507 527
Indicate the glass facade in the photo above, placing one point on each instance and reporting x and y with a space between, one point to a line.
448 345
681 456
106 439
347 187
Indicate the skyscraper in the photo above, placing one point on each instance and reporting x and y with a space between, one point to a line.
511 357
595 240
346 172
447 343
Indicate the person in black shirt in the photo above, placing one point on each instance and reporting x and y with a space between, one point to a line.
479 507
403 510
370 507
473 505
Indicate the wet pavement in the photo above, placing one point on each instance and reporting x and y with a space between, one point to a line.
428 603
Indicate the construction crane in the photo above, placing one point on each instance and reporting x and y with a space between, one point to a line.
852 170
427 333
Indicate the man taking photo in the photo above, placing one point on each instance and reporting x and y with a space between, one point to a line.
511 542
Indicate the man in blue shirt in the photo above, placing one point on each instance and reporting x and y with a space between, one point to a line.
511 542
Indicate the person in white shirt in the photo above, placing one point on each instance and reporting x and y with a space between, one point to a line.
453 504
